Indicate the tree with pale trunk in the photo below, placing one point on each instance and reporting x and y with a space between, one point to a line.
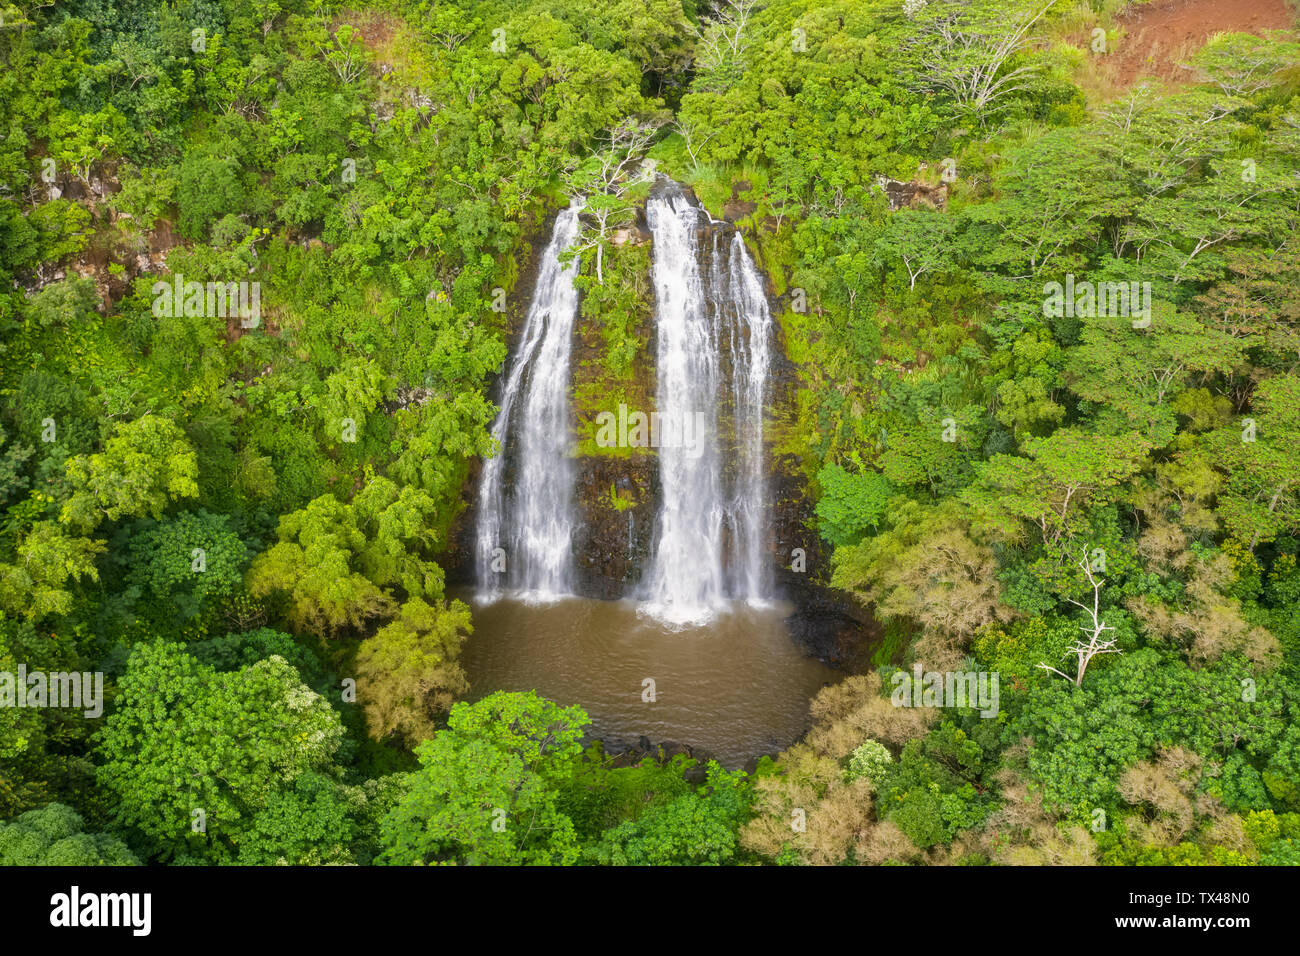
604 180
724 38
968 49
1094 643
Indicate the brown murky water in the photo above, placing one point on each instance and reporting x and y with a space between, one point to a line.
737 687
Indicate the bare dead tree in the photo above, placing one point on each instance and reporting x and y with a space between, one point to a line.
1093 644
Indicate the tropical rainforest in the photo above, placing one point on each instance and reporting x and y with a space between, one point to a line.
242 525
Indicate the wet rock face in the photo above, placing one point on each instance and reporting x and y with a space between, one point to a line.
457 559
618 500
828 624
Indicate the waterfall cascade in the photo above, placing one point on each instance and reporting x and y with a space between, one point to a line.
713 357
526 517
714 329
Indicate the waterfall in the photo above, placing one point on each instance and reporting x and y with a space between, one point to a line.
751 334
526 520
713 327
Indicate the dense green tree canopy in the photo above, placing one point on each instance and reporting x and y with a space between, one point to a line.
244 511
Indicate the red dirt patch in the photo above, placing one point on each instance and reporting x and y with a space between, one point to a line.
1161 35
162 239
376 28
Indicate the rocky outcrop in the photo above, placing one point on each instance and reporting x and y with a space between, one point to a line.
627 754
735 208
635 235
913 194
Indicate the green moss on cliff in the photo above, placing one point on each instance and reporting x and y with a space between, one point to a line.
613 365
